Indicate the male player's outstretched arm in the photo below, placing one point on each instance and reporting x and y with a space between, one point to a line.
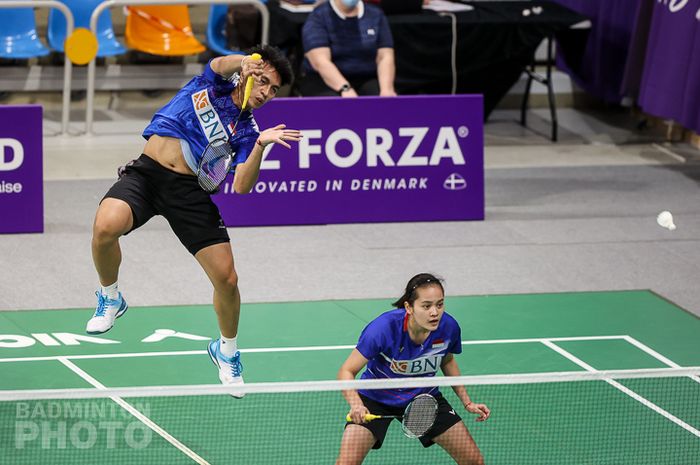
247 173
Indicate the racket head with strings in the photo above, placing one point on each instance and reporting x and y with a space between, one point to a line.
214 165
419 416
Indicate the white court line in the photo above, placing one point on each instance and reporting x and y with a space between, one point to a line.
657 355
288 349
541 339
668 152
132 410
627 391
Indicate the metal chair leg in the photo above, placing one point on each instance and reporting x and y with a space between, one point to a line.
526 99
550 89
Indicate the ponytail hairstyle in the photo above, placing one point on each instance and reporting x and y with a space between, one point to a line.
420 280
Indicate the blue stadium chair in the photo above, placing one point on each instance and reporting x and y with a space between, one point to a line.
18 37
216 30
82 10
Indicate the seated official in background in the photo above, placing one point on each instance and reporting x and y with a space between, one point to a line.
349 51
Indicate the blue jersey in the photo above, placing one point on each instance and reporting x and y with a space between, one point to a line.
392 354
201 112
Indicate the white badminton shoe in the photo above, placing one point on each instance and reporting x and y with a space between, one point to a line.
106 312
230 368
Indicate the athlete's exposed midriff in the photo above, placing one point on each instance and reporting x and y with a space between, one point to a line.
168 153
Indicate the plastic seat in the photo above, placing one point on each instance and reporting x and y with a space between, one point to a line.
18 36
216 30
108 45
161 30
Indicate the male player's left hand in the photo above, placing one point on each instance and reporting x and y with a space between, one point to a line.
279 135
478 409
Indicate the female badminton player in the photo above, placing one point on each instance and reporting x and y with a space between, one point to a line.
413 340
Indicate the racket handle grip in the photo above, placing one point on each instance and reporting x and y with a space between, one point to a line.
368 417
249 82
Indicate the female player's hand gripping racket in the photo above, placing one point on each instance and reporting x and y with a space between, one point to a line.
416 420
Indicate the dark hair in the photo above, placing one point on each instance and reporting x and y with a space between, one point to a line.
277 59
420 280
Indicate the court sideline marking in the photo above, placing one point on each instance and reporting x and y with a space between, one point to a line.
133 411
294 349
645 402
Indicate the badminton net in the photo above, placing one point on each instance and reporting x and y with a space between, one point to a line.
610 417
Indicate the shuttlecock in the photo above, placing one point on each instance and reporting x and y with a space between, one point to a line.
665 220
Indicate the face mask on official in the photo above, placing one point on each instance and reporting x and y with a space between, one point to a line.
350 3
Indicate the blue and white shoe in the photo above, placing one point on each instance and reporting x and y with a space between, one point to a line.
230 369
106 312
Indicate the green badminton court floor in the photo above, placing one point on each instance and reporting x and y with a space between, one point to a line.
654 421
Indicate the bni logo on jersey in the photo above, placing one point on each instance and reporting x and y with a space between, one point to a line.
455 182
207 116
419 366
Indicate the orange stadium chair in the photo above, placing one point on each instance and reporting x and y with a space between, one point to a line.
161 30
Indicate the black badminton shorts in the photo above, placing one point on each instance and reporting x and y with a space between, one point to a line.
151 189
445 419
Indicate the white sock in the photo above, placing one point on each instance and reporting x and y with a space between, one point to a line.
228 346
111 291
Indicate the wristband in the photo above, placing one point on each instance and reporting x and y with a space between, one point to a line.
344 88
259 143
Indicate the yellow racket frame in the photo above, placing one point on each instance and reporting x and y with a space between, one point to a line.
249 82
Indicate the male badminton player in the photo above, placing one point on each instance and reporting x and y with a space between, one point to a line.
162 181
411 341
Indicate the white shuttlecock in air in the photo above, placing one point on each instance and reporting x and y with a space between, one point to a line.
665 220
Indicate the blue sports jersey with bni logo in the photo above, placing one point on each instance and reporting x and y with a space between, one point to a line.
385 342
201 112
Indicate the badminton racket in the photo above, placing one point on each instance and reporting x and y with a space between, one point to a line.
417 419
217 157
215 165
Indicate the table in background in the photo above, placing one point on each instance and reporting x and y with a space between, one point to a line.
494 44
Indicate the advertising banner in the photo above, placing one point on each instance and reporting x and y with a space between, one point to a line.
21 169
367 159
670 85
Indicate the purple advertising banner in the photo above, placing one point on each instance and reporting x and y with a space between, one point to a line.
21 169
671 82
367 159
